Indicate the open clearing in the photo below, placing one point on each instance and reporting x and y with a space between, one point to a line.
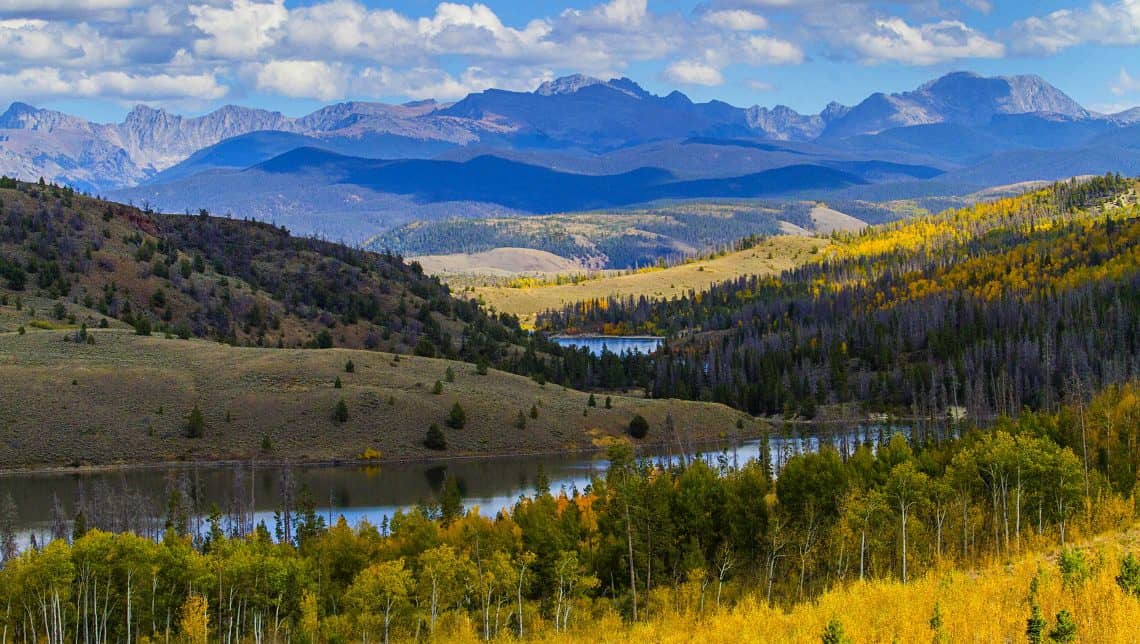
503 262
769 257
828 220
126 399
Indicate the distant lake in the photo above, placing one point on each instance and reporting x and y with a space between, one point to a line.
615 343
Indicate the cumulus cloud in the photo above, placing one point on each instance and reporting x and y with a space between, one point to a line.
736 20
300 78
692 72
48 82
333 49
1115 23
894 40
238 31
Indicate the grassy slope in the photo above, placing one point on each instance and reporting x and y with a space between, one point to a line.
126 400
770 257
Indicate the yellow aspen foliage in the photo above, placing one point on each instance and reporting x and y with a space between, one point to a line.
195 620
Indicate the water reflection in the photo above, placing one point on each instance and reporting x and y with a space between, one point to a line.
615 344
374 493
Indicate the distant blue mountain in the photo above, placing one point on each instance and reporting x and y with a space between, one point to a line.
536 189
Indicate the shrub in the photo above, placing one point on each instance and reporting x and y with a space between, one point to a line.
349 367
457 418
142 325
337 384
481 367
438 388
450 375
21 330
340 415
435 438
266 443
638 427
534 411
609 403
592 402
196 424
520 421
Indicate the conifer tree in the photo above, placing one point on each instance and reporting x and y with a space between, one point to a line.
435 438
196 424
457 418
341 413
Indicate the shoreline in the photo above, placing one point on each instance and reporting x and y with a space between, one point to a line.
6 472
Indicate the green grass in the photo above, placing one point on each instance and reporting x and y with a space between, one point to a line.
126 399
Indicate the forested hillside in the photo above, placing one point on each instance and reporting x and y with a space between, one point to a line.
239 282
1022 302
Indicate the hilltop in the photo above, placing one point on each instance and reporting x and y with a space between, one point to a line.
239 282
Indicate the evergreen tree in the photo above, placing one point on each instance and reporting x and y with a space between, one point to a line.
337 384
534 411
520 421
435 438
450 374
833 633
638 427
609 403
1129 577
1065 630
349 367
438 388
457 418
592 402
1035 625
195 424
341 413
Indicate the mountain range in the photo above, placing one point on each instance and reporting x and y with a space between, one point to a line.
940 133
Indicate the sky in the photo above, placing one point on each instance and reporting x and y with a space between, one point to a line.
98 58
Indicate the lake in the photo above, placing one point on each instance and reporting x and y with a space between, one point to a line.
128 496
615 343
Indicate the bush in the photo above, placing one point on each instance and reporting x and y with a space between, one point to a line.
142 325
638 427
349 367
196 424
457 418
266 443
592 402
438 388
1074 569
534 411
435 438
833 633
341 413
337 384
481 367
450 375
21 330
609 403
520 421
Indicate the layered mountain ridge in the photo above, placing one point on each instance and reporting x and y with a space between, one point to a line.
577 113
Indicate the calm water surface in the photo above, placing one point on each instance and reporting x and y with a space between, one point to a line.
366 492
616 344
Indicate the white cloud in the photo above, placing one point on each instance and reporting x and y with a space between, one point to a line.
736 20
1125 84
53 83
692 72
1116 23
300 79
762 50
239 31
894 40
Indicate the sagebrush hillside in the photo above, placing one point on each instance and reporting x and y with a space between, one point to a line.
127 399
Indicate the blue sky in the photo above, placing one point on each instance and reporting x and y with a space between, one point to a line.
97 58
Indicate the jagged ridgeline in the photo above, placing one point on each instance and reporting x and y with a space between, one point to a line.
1016 303
239 282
